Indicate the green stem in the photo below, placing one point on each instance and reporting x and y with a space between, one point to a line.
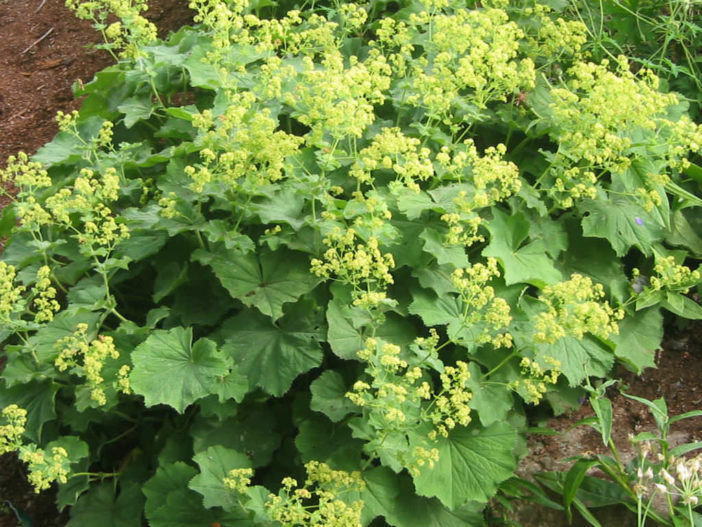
502 363
97 474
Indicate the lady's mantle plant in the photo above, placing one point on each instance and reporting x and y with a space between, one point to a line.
340 245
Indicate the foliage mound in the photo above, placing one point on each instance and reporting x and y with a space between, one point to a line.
308 267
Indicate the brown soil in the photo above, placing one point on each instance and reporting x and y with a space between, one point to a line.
677 380
35 83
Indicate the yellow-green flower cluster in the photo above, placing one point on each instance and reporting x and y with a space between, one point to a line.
238 479
45 468
87 359
571 184
575 307
224 21
395 38
555 37
10 294
481 308
45 300
129 33
24 173
670 276
87 199
319 502
29 176
399 399
393 150
42 296
536 378
392 400
450 406
390 391
492 178
168 205
67 122
353 16
241 147
336 100
685 137
362 266
11 432
469 51
599 113
122 384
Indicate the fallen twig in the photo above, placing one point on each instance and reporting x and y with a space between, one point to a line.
38 40
40 6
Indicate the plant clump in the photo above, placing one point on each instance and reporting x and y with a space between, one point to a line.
354 241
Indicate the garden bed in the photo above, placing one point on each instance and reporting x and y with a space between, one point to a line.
43 52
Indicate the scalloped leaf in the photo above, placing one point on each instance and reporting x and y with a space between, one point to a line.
170 369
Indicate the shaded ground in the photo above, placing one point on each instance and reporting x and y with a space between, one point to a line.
36 79
677 380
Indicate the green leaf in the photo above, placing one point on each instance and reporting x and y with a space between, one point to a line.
43 342
169 501
606 269
135 109
445 254
169 369
603 410
472 462
201 300
202 74
103 506
141 244
329 396
321 440
215 464
446 310
272 355
412 203
410 510
527 263
682 306
379 496
579 358
168 278
622 222
492 401
286 205
573 480
267 280
639 337
657 407
254 434
684 234
348 330
7 220
686 415
76 448
436 310
232 386
637 176
35 397
436 277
